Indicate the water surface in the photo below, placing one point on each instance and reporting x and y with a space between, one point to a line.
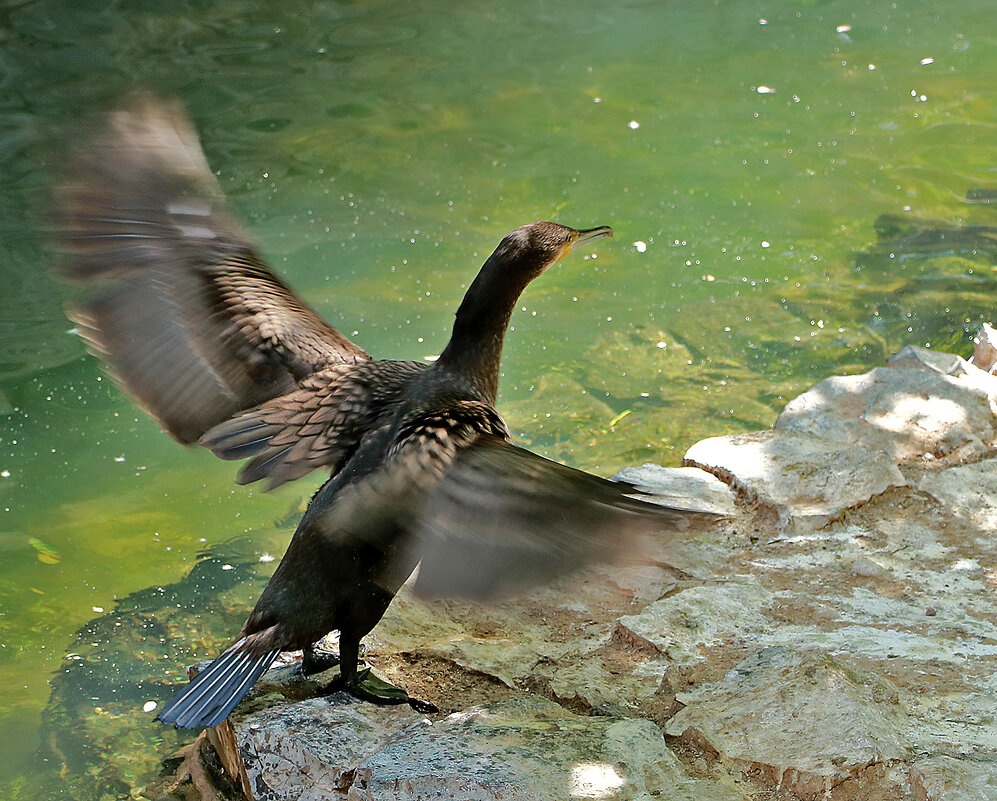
377 151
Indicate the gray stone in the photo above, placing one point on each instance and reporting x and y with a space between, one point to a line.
523 748
911 357
684 623
804 723
683 487
799 476
944 778
308 750
872 639
867 568
969 492
946 409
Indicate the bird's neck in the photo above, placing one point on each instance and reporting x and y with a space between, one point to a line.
475 347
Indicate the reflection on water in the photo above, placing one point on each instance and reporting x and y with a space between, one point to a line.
377 152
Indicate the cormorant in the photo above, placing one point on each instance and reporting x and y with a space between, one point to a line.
219 351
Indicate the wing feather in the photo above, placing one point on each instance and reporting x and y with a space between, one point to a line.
502 520
180 305
482 517
316 426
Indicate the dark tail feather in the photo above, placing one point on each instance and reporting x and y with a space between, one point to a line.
208 699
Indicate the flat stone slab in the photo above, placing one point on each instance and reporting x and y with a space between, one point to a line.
684 487
969 492
524 748
795 474
943 778
684 623
309 750
804 722
925 405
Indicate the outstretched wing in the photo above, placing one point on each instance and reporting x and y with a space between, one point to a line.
483 518
315 426
181 307
502 520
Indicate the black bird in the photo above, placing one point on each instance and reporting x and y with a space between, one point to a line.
222 353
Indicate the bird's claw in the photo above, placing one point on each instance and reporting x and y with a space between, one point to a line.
426 707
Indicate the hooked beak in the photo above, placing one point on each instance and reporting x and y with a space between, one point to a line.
585 236
592 234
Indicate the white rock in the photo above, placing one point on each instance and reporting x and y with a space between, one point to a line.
682 487
968 491
944 778
911 357
681 624
927 404
797 475
805 722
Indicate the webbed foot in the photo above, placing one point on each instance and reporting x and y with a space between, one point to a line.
368 687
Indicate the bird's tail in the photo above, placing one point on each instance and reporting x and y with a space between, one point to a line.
216 690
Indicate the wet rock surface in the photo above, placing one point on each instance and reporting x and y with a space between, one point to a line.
525 747
830 634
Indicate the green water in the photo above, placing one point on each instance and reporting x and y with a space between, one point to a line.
377 152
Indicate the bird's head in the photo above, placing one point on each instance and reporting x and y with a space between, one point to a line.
536 247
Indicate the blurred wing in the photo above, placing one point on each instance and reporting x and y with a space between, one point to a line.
188 317
502 520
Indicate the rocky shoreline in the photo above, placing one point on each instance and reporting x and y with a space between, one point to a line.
832 636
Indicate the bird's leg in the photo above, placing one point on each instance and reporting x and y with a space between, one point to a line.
315 660
366 686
